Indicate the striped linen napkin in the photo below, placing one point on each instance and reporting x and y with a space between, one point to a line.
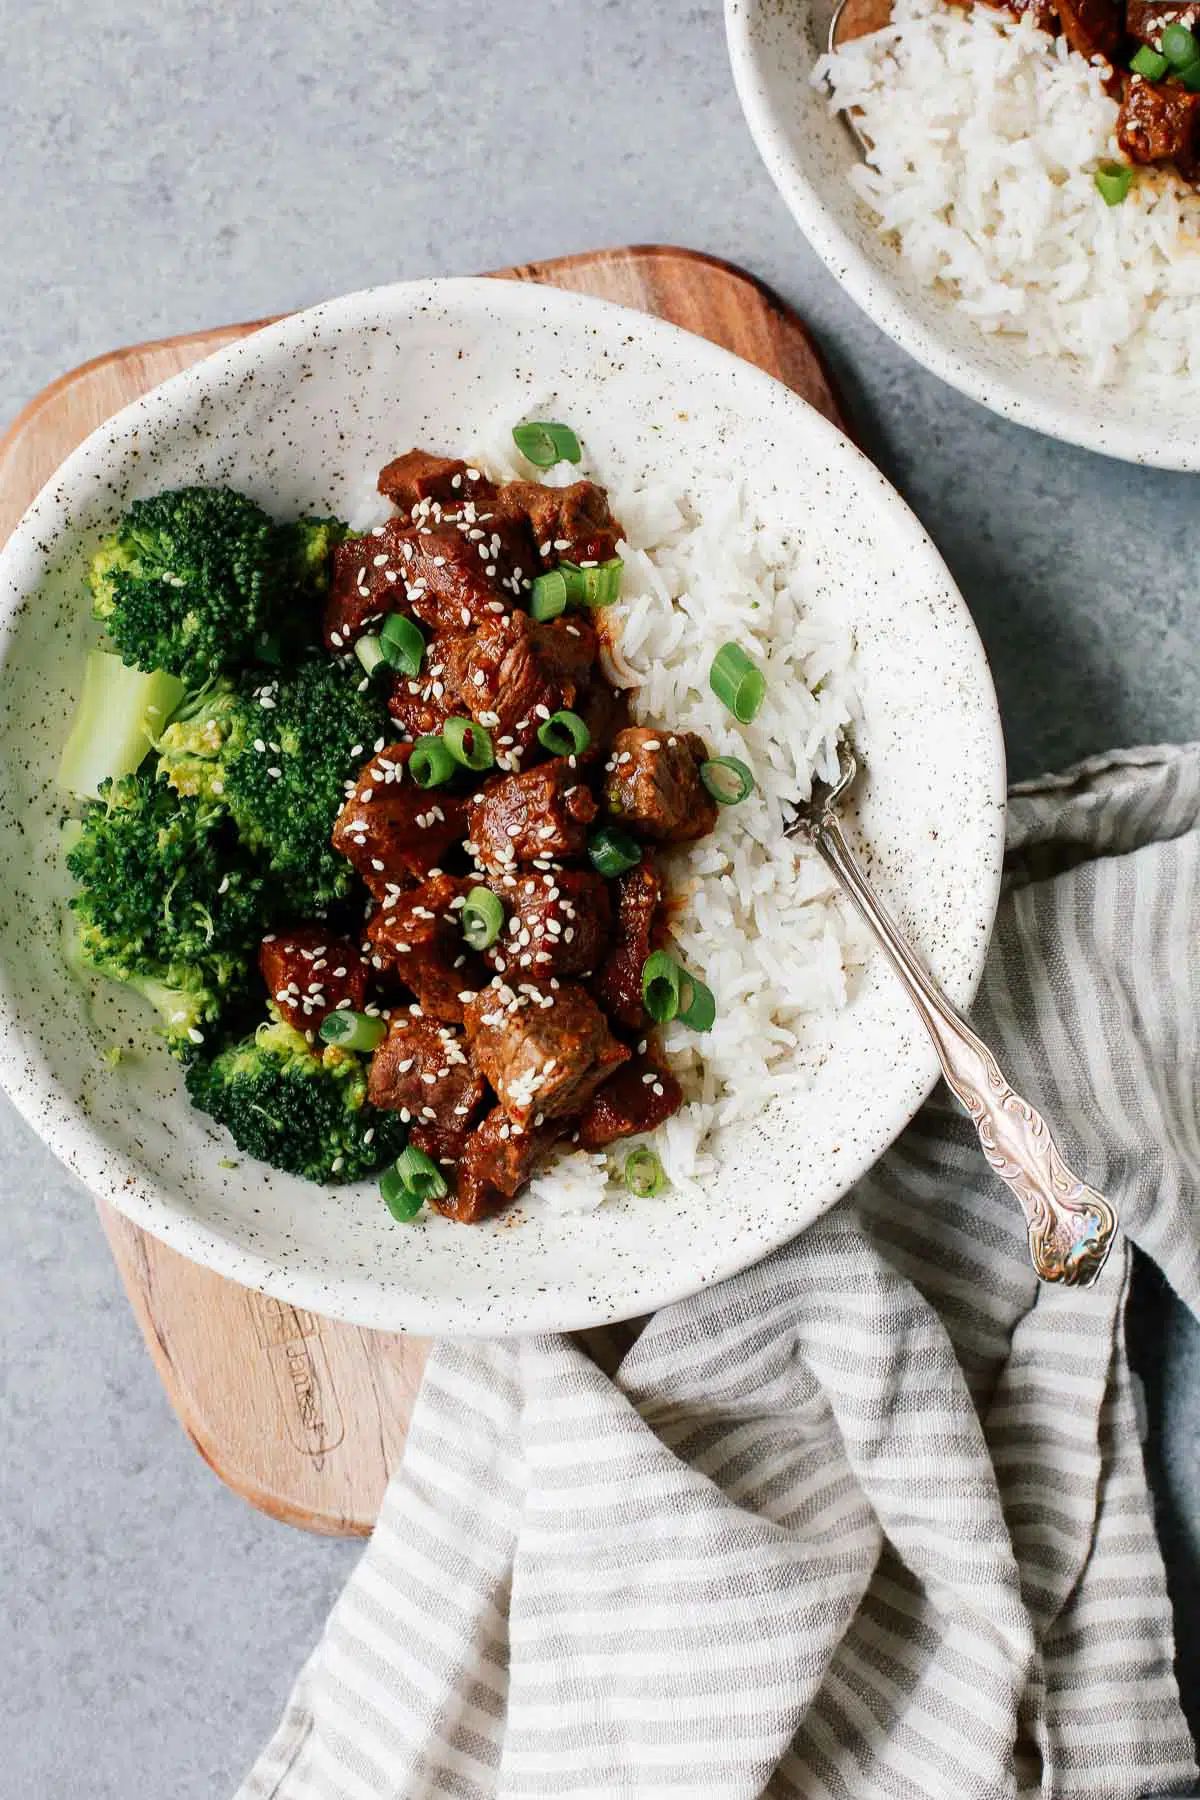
867 1521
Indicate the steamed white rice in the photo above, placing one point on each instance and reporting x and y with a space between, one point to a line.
986 134
759 918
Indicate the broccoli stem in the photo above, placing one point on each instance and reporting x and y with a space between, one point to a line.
120 710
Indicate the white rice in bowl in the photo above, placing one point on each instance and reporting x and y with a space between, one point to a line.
756 916
985 136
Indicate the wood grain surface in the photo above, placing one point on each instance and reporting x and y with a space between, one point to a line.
303 1416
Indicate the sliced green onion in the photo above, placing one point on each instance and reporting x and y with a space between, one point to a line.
370 652
430 763
737 682
549 596
564 734
644 1173
482 918
662 979
1149 63
602 585
403 1202
1179 46
1114 181
613 851
545 443
468 743
403 643
352 1030
1190 77
727 779
420 1174
697 1007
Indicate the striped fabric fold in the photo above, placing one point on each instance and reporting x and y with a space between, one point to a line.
868 1522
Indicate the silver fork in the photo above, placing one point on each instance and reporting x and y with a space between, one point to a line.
1071 1227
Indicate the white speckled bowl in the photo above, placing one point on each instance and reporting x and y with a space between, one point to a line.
773 45
300 414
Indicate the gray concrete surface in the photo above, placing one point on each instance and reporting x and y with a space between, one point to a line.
175 165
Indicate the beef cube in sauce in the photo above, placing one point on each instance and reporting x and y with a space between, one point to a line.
541 814
459 574
419 475
514 672
653 785
421 704
1158 123
638 1098
558 923
1146 20
571 524
494 1164
366 582
392 831
618 986
418 938
544 1050
421 1070
310 974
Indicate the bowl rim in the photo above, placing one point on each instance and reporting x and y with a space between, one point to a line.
1102 429
59 1120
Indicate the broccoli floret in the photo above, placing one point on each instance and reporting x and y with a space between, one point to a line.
277 754
168 904
300 1111
198 580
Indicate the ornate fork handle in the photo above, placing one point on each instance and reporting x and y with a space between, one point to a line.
1071 1226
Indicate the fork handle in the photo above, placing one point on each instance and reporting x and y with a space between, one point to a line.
1071 1227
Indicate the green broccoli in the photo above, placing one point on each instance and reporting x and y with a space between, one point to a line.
198 580
301 1111
277 753
168 903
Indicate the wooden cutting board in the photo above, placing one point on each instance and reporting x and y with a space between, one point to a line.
303 1416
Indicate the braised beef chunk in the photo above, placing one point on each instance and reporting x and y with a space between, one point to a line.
392 831
571 524
421 704
419 475
654 785
558 923
637 1098
366 582
457 575
514 672
309 974
1146 20
418 938
496 1161
1093 27
1158 123
421 1070
542 813
618 986
545 1050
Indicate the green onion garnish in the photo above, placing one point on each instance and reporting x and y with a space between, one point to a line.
602 585
1114 181
697 1007
1179 46
430 763
737 682
403 1202
613 851
420 1174
468 743
402 643
564 734
1190 77
662 978
545 443
644 1173
727 779
1149 63
549 595
482 918
370 652
352 1030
